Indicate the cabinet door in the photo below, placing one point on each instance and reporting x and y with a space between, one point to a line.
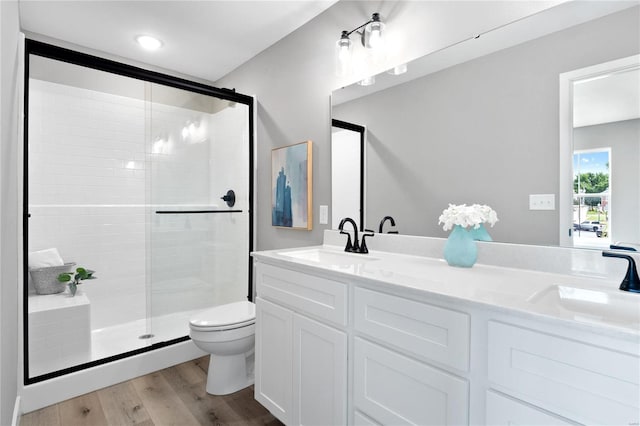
320 373
391 388
273 368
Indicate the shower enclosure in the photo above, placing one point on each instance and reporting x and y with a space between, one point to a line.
144 178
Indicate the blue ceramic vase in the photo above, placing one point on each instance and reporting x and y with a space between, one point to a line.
480 233
461 249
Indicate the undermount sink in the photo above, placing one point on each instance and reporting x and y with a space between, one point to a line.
591 304
328 257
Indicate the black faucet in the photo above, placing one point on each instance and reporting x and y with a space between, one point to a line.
355 247
631 282
384 219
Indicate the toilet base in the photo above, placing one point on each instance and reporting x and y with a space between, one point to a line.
229 374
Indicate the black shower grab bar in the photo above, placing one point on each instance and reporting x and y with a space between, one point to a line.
196 211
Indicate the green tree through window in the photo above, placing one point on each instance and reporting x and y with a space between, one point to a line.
591 183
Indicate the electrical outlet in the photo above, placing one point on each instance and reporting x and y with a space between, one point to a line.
542 202
324 215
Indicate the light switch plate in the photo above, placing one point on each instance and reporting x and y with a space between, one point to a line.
542 201
324 215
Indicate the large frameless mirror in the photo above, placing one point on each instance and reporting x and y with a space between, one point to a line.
478 122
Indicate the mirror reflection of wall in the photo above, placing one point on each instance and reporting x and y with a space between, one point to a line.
482 131
347 172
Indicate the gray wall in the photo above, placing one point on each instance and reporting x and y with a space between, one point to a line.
485 131
623 137
293 80
9 36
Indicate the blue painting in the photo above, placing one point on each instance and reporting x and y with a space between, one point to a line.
291 186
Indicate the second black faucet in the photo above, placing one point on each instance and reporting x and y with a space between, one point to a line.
384 219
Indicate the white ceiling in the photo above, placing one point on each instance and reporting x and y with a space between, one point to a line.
205 39
607 98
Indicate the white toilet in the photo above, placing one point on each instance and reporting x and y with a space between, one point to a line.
227 332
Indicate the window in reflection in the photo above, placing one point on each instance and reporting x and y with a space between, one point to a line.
591 197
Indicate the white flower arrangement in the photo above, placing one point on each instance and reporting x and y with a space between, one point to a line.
466 216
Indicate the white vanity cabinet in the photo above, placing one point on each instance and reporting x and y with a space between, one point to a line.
302 331
354 343
301 347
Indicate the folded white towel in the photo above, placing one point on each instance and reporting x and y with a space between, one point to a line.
44 258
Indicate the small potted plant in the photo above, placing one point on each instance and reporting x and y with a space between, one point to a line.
74 279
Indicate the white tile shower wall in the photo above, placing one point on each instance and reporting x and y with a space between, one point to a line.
230 134
91 174
179 172
87 191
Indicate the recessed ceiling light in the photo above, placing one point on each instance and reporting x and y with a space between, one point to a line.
148 42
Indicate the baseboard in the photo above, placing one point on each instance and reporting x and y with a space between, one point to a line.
17 412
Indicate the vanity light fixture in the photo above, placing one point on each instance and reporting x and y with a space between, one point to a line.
148 42
370 37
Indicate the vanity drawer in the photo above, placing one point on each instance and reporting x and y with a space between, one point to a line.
577 380
505 411
308 294
428 331
393 389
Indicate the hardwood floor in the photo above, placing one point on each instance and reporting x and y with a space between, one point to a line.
173 396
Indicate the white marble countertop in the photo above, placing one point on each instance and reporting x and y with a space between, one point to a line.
595 304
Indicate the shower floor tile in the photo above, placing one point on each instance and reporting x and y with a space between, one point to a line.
121 338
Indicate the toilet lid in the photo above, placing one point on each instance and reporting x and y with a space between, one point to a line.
231 315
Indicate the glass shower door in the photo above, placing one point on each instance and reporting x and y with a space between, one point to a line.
198 243
124 175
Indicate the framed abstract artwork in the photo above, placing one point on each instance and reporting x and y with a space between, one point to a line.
291 191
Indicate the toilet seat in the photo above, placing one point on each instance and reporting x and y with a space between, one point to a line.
224 317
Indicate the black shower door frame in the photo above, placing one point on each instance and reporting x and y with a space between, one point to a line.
33 47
